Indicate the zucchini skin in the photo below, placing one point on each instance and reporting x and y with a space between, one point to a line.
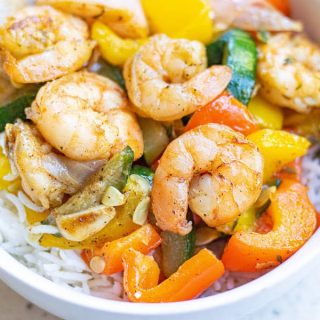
236 49
176 249
15 110
143 172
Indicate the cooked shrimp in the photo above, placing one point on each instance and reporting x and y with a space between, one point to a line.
26 149
125 17
41 44
167 78
86 117
289 72
214 170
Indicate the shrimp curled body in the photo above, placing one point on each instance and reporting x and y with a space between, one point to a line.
289 72
214 170
41 44
167 79
86 117
27 150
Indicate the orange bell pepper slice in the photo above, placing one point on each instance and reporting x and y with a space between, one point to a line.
144 240
282 5
294 221
292 171
141 276
225 110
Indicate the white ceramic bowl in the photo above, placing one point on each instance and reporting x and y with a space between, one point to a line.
71 305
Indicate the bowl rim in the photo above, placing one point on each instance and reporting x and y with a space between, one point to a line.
9 266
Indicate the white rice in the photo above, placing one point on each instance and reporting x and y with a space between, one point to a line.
66 268
311 175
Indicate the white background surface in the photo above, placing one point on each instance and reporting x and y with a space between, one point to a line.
301 303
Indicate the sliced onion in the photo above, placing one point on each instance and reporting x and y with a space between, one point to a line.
251 15
72 173
262 16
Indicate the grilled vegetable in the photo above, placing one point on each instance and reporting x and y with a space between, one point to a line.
113 48
180 19
143 172
225 110
114 173
141 276
206 235
294 221
81 225
237 50
246 221
155 139
278 148
144 240
120 226
176 249
266 114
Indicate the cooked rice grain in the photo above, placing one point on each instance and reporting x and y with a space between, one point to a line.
63 267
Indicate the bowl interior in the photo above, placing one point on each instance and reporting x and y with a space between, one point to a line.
12 269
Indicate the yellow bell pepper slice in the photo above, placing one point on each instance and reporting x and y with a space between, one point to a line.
34 217
15 186
11 186
278 148
180 19
113 48
267 115
4 170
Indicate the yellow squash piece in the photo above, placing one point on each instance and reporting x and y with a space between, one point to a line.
278 149
114 49
246 221
120 226
34 217
11 186
267 114
180 19
4 170
15 186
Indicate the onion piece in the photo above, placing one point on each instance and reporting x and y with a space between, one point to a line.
81 225
72 173
206 235
251 15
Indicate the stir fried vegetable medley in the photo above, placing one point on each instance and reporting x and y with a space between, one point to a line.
149 130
